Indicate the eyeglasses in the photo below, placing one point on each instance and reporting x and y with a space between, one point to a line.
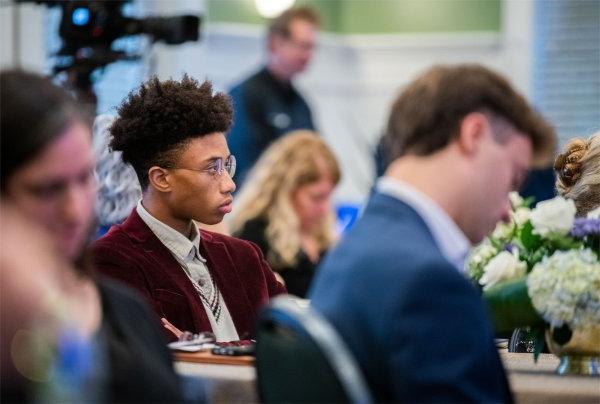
303 46
217 167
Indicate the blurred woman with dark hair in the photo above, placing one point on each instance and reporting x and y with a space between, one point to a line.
47 173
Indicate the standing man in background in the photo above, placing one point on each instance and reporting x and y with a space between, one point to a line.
266 104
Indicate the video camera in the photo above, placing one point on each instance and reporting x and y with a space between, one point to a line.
89 28
99 23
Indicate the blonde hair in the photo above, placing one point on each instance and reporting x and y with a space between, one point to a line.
298 158
578 173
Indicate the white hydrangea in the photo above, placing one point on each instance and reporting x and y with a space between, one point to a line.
565 288
520 216
503 267
553 216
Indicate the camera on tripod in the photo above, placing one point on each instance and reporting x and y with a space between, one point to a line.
99 23
89 28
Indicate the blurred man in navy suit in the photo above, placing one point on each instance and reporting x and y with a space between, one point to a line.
267 104
460 138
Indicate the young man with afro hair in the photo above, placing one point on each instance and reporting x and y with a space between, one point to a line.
172 133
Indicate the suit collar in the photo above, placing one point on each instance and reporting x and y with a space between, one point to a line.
162 259
182 247
230 284
449 238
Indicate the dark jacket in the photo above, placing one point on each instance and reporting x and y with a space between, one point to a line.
140 367
265 108
298 277
131 253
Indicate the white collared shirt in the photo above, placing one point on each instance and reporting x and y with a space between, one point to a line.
450 239
186 252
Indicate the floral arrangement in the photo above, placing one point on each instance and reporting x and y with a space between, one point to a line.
541 269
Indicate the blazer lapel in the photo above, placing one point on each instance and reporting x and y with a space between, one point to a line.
230 284
164 262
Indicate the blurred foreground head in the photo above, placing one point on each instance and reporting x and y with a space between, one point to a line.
427 116
47 163
32 304
481 133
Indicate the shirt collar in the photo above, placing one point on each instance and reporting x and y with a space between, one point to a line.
185 249
451 241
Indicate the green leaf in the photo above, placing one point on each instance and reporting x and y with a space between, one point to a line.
562 242
593 242
530 240
529 201
536 256
538 342
510 306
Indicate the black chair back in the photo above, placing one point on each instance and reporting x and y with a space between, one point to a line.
301 359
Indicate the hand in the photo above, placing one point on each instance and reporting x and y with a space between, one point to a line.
279 278
176 331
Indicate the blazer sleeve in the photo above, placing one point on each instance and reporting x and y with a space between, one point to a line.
274 287
116 263
441 342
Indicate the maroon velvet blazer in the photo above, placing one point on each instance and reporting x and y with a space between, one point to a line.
131 253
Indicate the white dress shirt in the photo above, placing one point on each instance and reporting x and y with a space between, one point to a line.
186 252
451 241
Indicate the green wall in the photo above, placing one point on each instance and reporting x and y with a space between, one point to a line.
379 16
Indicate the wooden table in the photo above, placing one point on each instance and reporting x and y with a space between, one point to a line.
233 379
226 379
538 382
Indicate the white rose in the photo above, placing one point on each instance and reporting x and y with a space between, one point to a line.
482 253
502 267
553 216
515 199
520 216
503 231
594 214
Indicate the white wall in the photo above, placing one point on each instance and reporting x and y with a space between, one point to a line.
22 36
349 85
353 79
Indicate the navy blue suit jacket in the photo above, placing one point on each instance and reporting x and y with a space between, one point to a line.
265 109
416 326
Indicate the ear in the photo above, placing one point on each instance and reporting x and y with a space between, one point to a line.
158 178
472 131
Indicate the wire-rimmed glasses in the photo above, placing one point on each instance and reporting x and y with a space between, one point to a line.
216 167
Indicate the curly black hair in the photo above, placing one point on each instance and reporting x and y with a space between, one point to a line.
157 120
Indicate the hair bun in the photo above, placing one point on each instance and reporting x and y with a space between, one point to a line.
568 164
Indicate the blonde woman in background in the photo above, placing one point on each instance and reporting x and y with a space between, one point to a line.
578 173
285 206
